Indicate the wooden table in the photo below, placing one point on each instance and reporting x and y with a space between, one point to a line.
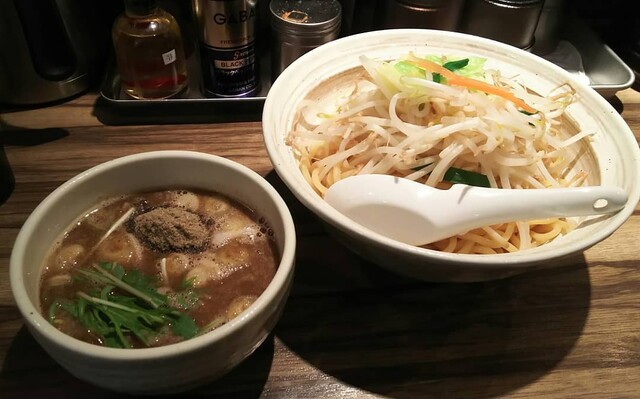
349 328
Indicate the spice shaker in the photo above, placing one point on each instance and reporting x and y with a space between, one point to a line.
228 56
426 14
149 51
509 21
299 26
549 28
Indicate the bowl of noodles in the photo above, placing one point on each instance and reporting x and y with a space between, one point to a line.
444 108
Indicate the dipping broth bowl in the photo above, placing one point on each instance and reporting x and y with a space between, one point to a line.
179 366
615 149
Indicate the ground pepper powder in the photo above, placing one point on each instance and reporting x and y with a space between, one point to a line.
171 229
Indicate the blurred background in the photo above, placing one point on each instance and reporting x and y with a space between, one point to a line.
52 50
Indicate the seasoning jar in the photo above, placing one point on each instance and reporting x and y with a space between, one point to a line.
149 51
425 14
549 28
299 26
228 47
509 21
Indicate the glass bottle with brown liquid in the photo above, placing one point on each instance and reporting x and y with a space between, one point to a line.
149 51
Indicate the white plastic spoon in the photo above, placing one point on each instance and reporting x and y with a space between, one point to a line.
417 214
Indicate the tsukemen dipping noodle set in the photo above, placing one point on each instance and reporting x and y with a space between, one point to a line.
155 260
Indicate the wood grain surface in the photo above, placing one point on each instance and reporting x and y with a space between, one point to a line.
350 329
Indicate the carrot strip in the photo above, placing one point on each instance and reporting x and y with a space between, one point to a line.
457 80
491 89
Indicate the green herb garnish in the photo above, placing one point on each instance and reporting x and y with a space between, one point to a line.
417 168
455 175
461 176
452 66
455 65
123 305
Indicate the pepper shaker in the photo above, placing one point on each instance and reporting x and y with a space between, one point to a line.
549 28
228 48
299 26
509 21
425 14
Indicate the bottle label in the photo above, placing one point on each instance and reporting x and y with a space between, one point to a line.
227 46
169 57
229 72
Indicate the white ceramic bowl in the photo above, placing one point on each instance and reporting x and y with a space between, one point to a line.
615 147
174 367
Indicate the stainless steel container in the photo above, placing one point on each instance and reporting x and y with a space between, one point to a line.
227 47
509 21
426 14
549 28
46 51
299 26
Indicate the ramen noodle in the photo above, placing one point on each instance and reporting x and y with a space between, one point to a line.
442 120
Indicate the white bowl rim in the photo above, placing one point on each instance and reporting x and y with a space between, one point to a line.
521 259
32 314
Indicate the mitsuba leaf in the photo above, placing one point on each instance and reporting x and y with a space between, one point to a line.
125 304
135 279
184 326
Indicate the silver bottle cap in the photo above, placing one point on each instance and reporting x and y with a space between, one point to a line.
299 26
305 17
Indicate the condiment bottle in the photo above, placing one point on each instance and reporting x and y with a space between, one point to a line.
299 26
425 14
509 21
228 48
550 25
149 51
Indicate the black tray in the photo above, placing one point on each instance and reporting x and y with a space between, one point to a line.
190 106
593 61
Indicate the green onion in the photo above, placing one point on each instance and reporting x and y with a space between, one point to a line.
455 65
461 176
452 66
417 168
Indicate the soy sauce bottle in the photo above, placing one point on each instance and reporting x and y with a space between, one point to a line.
149 51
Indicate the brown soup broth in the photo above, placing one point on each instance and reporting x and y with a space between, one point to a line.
211 244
